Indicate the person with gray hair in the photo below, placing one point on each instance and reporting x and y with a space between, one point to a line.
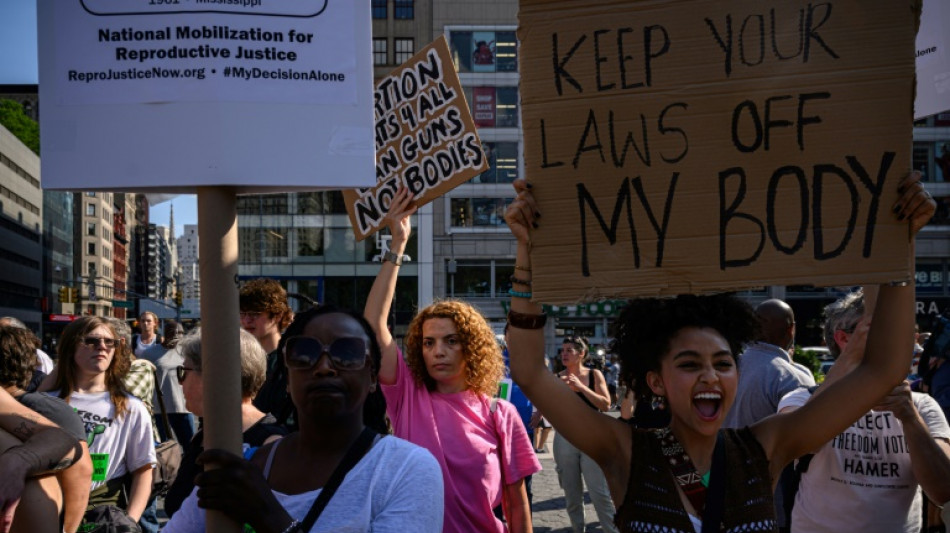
43 361
869 477
258 427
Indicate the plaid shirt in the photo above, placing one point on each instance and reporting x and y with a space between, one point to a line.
140 382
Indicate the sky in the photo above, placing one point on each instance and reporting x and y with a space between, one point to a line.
18 60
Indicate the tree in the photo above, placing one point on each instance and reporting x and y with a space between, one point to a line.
20 125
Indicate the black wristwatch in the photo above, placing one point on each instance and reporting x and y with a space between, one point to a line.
392 258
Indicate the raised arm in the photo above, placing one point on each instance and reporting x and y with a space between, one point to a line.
585 428
885 363
380 296
44 448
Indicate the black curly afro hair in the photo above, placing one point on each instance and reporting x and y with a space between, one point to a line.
643 331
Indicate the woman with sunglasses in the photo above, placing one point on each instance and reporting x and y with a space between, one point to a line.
390 485
258 427
681 354
118 426
574 467
440 397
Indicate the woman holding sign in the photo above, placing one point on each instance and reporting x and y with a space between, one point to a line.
681 353
439 397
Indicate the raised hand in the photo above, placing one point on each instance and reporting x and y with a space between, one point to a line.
915 204
522 214
397 218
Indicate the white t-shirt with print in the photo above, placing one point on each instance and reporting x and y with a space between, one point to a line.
117 446
395 488
862 480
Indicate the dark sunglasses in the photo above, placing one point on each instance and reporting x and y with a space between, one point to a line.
346 353
93 342
181 371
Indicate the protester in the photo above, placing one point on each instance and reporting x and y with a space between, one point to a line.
575 468
118 426
869 477
43 361
683 351
167 358
395 486
257 427
17 361
265 314
30 446
439 397
766 374
148 325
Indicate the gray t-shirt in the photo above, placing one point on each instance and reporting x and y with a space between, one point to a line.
166 362
766 374
395 488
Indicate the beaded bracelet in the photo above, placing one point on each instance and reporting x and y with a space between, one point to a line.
518 294
519 281
526 321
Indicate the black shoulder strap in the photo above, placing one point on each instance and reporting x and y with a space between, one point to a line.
716 493
356 452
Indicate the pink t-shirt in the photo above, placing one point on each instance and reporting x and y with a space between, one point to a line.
457 430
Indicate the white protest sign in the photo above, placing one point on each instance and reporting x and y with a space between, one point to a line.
933 60
176 94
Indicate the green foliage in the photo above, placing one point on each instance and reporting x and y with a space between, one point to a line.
20 125
810 360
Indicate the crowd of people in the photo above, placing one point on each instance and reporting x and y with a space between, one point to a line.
347 429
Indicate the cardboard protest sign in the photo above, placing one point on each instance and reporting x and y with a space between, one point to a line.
175 95
933 60
425 137
690 147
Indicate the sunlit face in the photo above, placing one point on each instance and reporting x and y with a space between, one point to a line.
698 377
443 355
571 354
147 323
260 324
92 360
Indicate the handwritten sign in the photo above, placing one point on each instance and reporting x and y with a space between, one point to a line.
691 147
425 138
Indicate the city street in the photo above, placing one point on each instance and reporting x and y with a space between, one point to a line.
548 512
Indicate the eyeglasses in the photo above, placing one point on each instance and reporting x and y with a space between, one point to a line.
346 353
181 371
93 342
253 315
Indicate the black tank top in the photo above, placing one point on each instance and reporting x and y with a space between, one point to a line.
590 385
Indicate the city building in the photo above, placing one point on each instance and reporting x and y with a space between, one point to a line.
92 252
187 246
474 253
21 233
123 223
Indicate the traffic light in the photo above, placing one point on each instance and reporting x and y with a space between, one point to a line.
73 295
178 298
64 294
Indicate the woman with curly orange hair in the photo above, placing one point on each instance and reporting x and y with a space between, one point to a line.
439 397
